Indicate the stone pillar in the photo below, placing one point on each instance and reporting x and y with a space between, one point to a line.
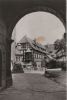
8 63
3 53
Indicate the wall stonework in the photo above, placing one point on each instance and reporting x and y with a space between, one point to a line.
5 47
3 52
8 63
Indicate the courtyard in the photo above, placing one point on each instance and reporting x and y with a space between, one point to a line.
33 86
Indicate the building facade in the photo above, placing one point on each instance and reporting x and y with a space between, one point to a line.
29 51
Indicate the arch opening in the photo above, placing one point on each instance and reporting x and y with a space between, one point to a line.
42 26
33 10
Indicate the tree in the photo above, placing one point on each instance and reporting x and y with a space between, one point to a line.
63 44
60 45
57 45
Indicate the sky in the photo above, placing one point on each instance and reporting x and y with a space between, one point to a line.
42 26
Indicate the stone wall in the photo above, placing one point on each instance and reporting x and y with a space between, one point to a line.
3 52
5 49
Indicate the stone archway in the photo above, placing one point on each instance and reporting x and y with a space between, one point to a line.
31 10
13 11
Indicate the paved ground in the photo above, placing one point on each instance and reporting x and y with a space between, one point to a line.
33 87
35 71
61 79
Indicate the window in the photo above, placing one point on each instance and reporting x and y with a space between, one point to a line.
17 58
27 45
28 56
23 45
40 55
36 55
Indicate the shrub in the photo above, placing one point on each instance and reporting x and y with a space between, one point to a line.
61 64
51 64
56 64
24 66
17 68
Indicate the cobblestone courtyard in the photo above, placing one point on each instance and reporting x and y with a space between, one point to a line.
28 86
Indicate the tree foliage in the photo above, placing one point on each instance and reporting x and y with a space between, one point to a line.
60 44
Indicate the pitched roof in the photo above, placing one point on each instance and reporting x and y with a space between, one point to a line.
34 45
28 50
23 40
